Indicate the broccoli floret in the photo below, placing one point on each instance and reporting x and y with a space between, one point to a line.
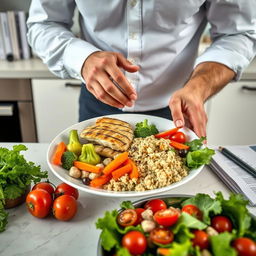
74 144
89 155
143 129
68 159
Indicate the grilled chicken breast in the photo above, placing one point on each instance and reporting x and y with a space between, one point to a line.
109 132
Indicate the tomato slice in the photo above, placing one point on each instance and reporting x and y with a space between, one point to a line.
192 210
139 211
167 217
179 137
155 205
127 217
221 223
161 236
200 239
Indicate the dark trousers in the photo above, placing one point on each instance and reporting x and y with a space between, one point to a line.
90 107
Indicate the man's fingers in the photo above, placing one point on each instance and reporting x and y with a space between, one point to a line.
176 110
121 81
97 90
111 89
198 120
125 64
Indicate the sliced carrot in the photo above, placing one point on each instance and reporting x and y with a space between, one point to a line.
167 133
87 167
100 181
121 171
178 145
163 251
114 164
60 149
135 172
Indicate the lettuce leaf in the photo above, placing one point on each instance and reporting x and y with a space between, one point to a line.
127 205
195 144
199 157
235 209
206 204
220 244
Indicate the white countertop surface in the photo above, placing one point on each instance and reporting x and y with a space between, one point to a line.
27 235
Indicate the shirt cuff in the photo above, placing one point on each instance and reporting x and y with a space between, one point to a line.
232 60
76 52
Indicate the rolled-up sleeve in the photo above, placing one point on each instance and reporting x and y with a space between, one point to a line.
49 35
233 32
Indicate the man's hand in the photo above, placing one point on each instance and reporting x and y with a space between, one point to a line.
187 104
100 69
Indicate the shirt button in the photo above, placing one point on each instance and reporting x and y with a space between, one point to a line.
132 60
133 35
133 3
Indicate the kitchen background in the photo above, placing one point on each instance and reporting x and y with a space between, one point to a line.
35 105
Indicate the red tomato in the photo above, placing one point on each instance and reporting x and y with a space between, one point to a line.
161 236
221 223
179 137
44 185
192 210
155 205
135 242
65 189
64 207
39 203
167 217
245 246
139 211
127 217
201 239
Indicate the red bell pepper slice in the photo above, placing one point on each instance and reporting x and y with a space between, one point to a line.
178 145
167 133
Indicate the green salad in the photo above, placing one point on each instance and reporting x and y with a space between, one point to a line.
16 174
198 225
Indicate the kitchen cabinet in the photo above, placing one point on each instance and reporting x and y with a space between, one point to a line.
56 106
231 114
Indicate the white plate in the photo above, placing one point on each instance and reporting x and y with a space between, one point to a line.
161 123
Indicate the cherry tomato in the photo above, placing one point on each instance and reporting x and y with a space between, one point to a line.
127 217
44 185
135 242
201 239
192 210
155 205
245 246
65 189
221 223
161 236
167 217
179 137
64 207
139 211
39 203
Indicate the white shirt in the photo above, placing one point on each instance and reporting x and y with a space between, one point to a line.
161 36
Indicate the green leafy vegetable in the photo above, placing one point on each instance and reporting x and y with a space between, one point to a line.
235 209
127 205
15 175
68 159
180 249
199 157
206 204
111 231
195 144
220 244
143 129
123 252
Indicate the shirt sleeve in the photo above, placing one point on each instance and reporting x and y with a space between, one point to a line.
233 32
50 36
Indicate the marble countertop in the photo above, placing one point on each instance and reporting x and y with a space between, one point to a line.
27 235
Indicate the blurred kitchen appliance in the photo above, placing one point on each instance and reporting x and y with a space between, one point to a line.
17 120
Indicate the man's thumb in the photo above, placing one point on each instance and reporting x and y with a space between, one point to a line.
126 64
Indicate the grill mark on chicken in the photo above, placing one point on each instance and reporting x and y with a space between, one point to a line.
113 121
103 135
122 128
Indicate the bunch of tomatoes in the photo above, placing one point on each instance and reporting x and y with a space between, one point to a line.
45 198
